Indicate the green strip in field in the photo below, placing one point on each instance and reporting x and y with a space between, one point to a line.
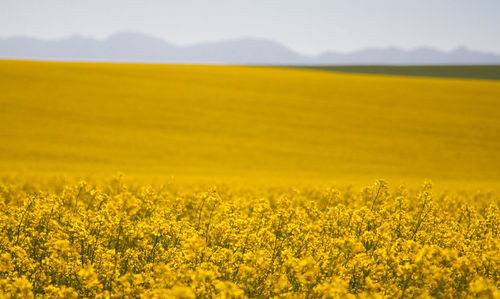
491 72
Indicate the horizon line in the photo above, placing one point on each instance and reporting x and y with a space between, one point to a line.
248 37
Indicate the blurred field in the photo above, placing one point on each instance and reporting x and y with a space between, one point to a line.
245 123
491 72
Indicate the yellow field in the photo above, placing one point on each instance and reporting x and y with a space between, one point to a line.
287 149
250 124
136 241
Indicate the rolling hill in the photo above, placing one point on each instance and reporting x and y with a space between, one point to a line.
129 46
245 123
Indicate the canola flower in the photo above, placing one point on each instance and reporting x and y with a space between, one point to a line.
136 241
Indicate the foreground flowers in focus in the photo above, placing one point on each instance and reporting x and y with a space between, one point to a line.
78 240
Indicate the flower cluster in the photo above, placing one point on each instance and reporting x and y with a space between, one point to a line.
134 241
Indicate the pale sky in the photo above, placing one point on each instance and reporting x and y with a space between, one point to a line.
307 26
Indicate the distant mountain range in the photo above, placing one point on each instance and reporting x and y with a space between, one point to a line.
135 47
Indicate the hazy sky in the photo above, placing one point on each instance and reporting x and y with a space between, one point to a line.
308 26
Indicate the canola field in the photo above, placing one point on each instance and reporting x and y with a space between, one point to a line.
252 124
246 182
138 241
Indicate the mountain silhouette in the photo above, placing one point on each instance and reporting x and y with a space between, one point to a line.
136 47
